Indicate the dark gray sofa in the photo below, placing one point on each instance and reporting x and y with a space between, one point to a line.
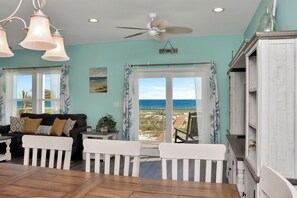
48 119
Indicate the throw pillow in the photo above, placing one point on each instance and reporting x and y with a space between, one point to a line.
16 124
68 126
58 127
44 130
31 125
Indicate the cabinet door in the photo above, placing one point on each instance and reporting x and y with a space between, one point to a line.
250 185
236 103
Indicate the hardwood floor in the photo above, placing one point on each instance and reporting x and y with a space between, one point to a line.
149 167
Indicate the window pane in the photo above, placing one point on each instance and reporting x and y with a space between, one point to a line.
23 87
24 107
50 106
51 87
152 104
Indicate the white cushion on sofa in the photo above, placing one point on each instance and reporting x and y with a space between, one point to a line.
44 130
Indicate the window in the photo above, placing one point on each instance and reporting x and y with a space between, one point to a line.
32 91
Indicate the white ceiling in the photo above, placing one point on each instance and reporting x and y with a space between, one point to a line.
72 17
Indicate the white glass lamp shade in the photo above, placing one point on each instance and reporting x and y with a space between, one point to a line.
39 35
58 53
4 48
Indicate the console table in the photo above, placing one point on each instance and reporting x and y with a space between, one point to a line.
7 141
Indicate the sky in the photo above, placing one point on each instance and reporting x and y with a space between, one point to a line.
24 82
154 88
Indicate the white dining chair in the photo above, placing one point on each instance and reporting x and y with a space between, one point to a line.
60 145
210 153
274 185
105 149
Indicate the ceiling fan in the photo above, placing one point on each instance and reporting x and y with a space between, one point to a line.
158 29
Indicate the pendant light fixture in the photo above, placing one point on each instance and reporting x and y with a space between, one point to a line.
4 48
38 36
58 53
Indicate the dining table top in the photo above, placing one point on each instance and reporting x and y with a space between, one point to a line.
28 181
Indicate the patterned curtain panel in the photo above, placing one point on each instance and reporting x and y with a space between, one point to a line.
64 90
2 97
215 133
128 105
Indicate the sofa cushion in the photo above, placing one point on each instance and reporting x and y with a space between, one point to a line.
16 124
44 130
31 125
68 126
58 127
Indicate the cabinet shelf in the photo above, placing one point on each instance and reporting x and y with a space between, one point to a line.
253 89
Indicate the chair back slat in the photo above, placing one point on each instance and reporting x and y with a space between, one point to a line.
117 165
219 177
97 163
196 170
107 164
43 157
208 171
34 158
135 170
117 149
210 153
62 145
186 170
274 185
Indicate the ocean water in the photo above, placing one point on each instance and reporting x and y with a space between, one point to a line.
46 105
161 104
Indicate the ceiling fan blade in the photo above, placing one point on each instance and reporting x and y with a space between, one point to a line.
137 34
161 37
178 30
133 28
159 23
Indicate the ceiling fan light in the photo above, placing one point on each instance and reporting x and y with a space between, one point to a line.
58 53
39 35
4 48
152 32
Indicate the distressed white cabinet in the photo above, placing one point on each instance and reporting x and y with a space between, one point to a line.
237 85
235 162
271 104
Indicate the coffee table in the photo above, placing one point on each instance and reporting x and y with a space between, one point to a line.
7 141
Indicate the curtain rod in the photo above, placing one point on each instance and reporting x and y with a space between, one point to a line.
172 64
8 68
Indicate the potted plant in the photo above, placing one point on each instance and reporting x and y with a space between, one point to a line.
106 123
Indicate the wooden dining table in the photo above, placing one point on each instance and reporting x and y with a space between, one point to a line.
28 181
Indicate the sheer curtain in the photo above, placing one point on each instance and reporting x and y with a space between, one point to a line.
64 90
2 97
209 111
129 120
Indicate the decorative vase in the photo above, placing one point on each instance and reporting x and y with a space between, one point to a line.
267 22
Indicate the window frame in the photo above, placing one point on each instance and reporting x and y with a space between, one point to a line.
38 83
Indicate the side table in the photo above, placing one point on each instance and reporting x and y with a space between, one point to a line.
98 135
7 141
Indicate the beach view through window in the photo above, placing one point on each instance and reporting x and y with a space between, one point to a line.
48 98
152 105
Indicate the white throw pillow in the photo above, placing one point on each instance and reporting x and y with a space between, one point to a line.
16 124
68 126
44 130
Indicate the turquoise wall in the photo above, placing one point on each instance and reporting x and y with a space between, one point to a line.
286 16
114 55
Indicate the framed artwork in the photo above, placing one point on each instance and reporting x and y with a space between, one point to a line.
98 80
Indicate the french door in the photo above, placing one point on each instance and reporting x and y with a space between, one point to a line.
165 96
